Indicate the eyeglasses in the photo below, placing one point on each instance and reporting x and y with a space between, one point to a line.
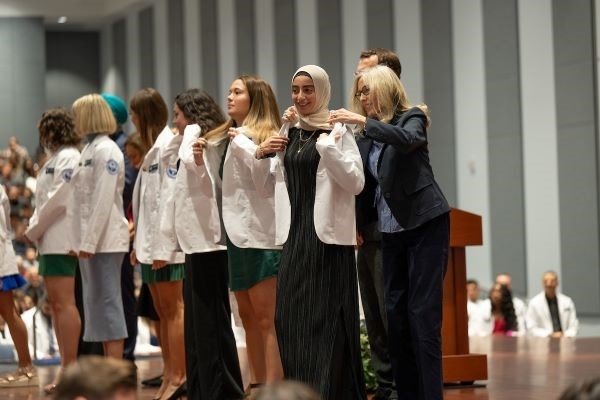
365 90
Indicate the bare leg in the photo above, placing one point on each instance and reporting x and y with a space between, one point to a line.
17 328
113 348
254 341
65 317
262 298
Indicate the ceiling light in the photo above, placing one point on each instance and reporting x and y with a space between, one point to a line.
62 19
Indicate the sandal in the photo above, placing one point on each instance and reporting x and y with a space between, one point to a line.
22 377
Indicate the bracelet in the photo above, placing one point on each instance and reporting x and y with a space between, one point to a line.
260 153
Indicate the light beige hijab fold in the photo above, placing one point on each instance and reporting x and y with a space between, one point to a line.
318 119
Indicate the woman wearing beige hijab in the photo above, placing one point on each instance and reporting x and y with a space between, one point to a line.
315 174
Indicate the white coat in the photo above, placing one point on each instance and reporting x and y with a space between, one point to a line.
40 334
248 215
195 217
155 182
539 321
95 210
481 320
340 177
48 226
8 261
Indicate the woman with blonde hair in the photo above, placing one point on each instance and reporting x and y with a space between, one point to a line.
49 229
99 228
249 219
413 217
157 251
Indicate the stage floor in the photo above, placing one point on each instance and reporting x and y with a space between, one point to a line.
518 368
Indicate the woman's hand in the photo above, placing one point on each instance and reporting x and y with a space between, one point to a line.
85 255
132 258
290 115
271 145
158 264
198 149
232 132
346 117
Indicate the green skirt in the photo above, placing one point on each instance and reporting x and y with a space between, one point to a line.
168 273
247 267
57 265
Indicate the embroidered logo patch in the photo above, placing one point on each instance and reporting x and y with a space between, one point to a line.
50 170
172 172
87 162
153 168
67 174
112 167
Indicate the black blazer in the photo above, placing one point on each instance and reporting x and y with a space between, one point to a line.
404 172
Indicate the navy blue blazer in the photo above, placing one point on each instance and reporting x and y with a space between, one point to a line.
403 172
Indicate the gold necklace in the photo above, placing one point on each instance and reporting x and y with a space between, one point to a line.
304 141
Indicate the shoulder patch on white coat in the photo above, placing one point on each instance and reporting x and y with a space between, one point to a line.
112 167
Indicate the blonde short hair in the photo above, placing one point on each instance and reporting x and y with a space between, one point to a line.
93 115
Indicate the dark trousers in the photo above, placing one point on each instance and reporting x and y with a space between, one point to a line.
370 276
213 368
129 308
414 264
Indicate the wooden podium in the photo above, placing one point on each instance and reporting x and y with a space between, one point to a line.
458 364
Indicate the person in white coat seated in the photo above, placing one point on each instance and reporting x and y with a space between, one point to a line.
478 311
550 313
40 331
518 304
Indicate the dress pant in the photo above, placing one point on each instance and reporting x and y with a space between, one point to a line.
370 276
129 308
414 265
213 368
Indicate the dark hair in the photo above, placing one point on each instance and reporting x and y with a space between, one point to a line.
506 307
385 57
56 128
109 375
472 282
588 389
152 114
199 108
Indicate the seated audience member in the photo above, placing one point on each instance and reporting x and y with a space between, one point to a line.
40 331
588 389
551 313
504 318
478 311
286 390
518 304
98 378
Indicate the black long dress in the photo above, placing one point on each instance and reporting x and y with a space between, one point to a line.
316 314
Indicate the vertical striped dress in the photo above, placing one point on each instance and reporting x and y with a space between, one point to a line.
316 313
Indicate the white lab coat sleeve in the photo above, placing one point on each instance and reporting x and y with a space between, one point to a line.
243 148
105 190
164 241
343 163
534 321
264 171
46 214
572 323
186 155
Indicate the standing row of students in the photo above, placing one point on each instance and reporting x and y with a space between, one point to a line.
268 209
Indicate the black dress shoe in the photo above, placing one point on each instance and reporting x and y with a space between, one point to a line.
153 382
